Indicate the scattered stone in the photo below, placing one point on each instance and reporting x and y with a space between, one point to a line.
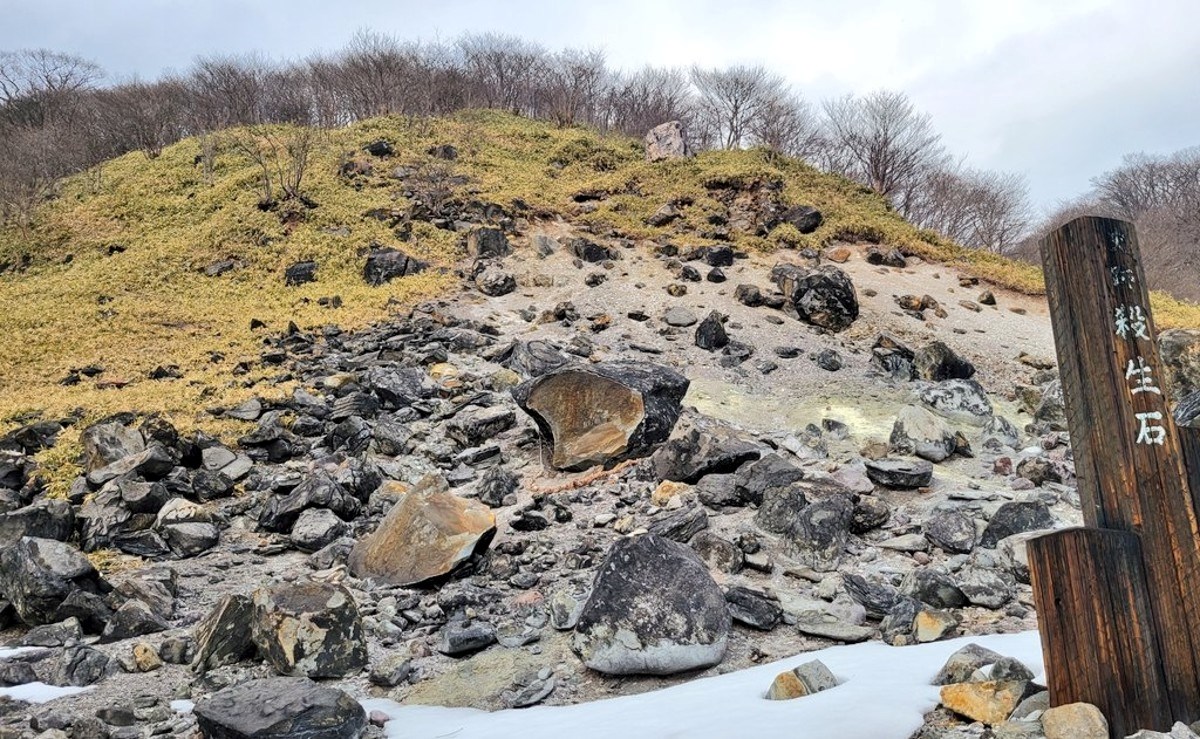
990 702
386 264
806 679
459 639
930 626
753 608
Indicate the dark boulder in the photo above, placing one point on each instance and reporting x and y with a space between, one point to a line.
309 629
37 575
299 273
488 243
710 334
590 251
1016 518
804 218
654 609
697 453
823 296
937 362
900 473
318 490
952 531
385 264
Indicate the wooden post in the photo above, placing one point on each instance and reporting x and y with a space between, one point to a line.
1131 479
1092 598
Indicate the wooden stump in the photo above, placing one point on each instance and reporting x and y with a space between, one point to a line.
1096 626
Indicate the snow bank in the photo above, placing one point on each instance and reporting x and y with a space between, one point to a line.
39 692
884 694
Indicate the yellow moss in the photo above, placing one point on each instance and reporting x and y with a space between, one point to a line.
151 304
111 561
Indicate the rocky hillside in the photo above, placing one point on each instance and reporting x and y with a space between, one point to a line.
500 415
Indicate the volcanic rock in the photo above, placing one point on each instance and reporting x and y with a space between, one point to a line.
309 629
280 708
654 609
428 534
604 412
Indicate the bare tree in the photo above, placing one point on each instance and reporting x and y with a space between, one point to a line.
788 125
226 91
140 115
39 86
730 102
573 85
503 70
882 141
281 154
981 209
650 96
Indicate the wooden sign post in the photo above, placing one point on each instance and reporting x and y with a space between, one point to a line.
1118 600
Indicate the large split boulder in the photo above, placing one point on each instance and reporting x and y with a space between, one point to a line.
823 296
38 575
280 708
309 629
666 141
604 412
429 533
654 609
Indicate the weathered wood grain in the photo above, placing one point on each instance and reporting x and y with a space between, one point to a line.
1127 449
1096 626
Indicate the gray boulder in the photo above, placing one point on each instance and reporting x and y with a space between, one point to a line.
964 401
654 609
666 141
280 708
919 432
38 575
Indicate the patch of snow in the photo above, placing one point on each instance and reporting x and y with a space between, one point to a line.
884 694
182 706
39 692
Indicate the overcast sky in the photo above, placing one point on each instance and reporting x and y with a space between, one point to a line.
1057 90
